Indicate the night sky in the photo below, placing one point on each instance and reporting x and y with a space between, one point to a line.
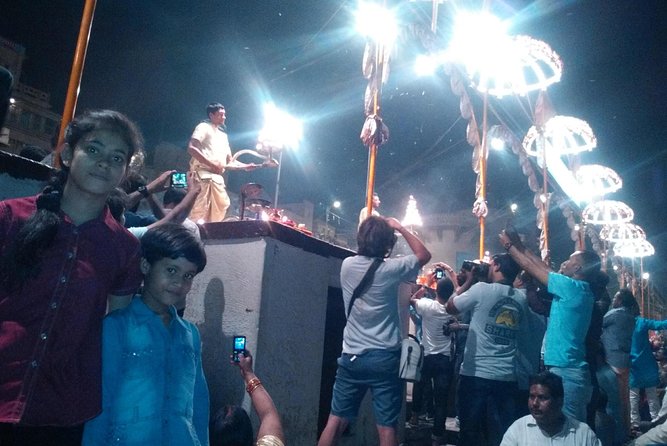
161 62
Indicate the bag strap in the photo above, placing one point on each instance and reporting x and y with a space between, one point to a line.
364 284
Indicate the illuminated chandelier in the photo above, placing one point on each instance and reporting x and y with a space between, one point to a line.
607 212
563 135
523 65
596 180
622 233
634 249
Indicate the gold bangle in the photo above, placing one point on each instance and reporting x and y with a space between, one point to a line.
252 385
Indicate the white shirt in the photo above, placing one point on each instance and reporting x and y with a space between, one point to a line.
434 318
526 432
214 146
498 318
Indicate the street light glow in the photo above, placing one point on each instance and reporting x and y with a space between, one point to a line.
376 23
646 276
336 204
280 131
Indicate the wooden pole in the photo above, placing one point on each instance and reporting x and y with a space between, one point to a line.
482 173
77 71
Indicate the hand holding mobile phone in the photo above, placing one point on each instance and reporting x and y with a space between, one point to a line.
238 347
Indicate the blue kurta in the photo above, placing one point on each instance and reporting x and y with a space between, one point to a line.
644 367
154 390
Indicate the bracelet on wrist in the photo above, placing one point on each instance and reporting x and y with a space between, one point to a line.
508 245
252 385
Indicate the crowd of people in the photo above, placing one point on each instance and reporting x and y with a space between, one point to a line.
94 349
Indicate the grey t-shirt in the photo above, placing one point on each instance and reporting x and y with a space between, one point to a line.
374 321
498 318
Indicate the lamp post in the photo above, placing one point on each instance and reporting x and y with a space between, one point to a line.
281 131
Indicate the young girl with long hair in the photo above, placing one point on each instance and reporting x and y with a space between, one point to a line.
63 261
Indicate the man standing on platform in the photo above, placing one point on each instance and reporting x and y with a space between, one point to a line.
211 157
363 214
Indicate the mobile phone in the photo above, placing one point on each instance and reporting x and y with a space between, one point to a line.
179 179
239 347
439 273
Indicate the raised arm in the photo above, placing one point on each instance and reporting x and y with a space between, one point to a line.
526 259
159 184
269 420
417 247
181 211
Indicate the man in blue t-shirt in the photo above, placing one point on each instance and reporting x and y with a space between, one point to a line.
569 319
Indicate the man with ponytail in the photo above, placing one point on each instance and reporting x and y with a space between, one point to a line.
63 261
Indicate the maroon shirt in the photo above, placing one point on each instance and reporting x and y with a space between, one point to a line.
51 331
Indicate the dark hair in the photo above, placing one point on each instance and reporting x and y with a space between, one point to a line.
213 107
34 153
628 301
173 195
172 241
551 381
507 266
375 238
231 427
590 267
37 234
117 202
445 288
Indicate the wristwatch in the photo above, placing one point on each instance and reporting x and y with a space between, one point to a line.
143 190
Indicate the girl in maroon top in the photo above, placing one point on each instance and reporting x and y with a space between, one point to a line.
63 259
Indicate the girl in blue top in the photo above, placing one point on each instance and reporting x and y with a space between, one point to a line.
154 390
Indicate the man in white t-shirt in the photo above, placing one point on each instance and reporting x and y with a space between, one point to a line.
437 343
211 157
547 424
363 214
488 381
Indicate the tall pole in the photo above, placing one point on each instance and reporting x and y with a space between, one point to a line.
77 70
373 148
275 197
545 202
482 173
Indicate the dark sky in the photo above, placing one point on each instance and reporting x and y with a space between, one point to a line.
161 61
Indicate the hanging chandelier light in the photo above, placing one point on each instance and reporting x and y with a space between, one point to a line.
607 212
634 249
522 65
597 181
622 232
563 135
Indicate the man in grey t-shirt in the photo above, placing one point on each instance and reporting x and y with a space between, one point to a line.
488 380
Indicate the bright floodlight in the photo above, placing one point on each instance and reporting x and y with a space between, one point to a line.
514 207
426 65
563 135
607 212
280 131
646 276
480 43
376 23
634 249
336 204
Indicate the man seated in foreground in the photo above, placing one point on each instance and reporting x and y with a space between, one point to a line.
547 424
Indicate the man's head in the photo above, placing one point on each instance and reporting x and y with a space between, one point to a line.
503 268
624 298
216 113
231 426
444 289
545 398
375 237
376 201
582 265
